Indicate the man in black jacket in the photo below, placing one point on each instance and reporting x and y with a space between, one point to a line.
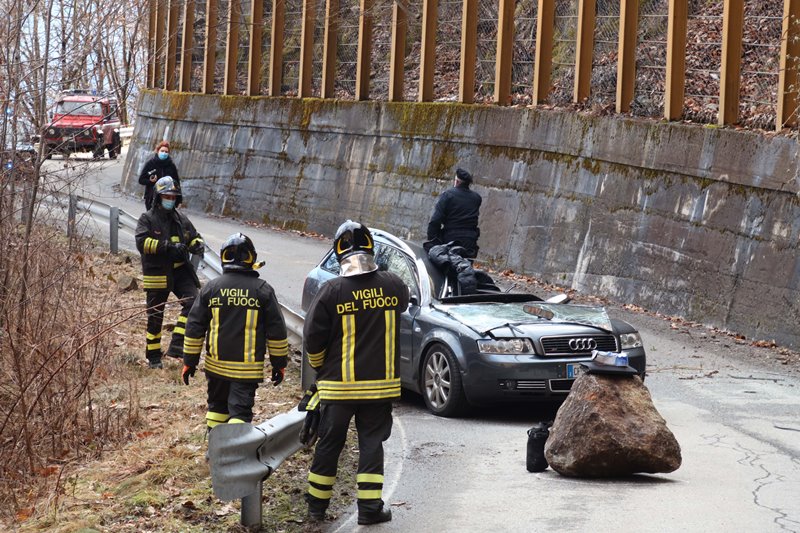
455 216
158 166
164 238
352 338
239 318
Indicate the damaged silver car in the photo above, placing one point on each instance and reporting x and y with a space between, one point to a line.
490 345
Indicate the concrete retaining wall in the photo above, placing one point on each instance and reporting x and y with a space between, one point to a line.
686 220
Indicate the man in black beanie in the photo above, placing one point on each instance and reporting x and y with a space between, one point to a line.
455 216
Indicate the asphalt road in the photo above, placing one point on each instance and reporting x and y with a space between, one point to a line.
734 409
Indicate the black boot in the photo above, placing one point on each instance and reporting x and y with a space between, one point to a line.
374 517
316 508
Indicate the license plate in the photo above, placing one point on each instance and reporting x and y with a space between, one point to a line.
574 370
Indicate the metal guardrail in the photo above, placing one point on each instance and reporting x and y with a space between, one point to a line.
241 456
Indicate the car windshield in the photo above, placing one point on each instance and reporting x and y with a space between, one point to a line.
490 315
79 108
387 258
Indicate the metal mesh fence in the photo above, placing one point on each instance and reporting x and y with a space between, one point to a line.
565 30
222 33
266 46
292 34
413 49
761 45
522 64
448 50
651 59
318 51
703 60
604 56
198 49
347 49
381 48
486 54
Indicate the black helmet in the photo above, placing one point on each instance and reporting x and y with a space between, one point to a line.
238 253
352 238
166 185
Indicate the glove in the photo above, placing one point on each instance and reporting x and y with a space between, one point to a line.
277 376
177 251
198 249
188 372
310 404
309 431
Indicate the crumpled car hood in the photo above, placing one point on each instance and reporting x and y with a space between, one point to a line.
487 316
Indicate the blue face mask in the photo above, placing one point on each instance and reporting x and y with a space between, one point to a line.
163 156
167 204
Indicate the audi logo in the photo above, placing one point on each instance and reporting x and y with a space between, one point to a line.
582 344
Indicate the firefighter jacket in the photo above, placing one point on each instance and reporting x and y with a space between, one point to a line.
160 168
155 230
455 215
238 316
351 336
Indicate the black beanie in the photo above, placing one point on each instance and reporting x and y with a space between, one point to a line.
463 175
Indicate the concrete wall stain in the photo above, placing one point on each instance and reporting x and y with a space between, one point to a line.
642 211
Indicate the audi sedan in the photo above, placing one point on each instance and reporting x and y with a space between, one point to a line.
489 346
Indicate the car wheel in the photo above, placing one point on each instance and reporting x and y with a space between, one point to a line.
441 382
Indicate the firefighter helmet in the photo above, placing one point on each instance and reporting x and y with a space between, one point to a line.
166 185
353 238
238 253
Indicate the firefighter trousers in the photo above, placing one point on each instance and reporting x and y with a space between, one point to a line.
229 401
185 289
373 426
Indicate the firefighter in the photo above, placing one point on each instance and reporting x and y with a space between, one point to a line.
455 216
164 238
155 168
238 317
351 336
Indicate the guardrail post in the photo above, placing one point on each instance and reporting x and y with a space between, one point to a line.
251 508
113 229
71 214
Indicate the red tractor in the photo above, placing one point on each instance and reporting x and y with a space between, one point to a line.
83 122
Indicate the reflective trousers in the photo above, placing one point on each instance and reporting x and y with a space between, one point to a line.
229 401
185 289
373 426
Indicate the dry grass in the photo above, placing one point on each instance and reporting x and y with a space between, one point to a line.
156 477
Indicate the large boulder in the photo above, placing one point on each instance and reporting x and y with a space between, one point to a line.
609 427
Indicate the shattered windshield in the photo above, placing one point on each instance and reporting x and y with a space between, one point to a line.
491 315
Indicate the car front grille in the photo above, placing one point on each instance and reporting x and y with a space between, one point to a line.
531 384
577 345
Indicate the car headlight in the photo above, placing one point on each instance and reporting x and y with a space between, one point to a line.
630 340
51 131
505 346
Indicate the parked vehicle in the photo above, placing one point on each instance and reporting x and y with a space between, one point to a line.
492 346
83 122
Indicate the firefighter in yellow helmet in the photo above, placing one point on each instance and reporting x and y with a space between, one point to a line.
238 317
351 336
165 238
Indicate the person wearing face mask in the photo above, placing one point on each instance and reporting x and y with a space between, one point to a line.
158 166
165 237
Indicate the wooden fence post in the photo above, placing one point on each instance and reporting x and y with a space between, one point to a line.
254 55
730 70
543 60
788 78
584 49
306 49
276 47
469 48
676 59
398 52
430 10
364 58
626 57
505 51
172 44
329 44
